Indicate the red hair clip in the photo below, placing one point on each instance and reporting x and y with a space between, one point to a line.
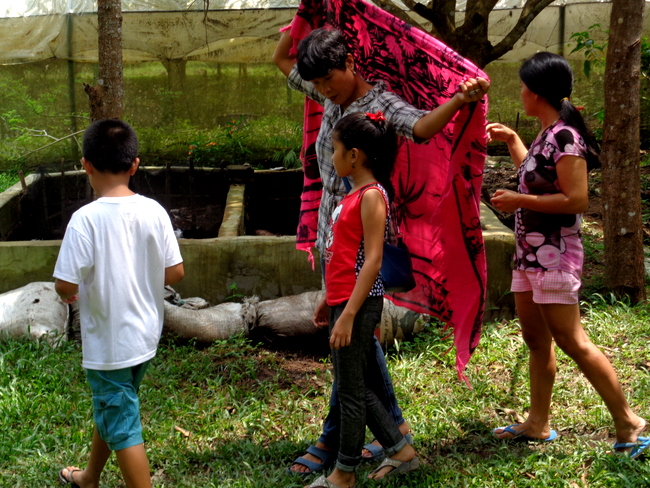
378 117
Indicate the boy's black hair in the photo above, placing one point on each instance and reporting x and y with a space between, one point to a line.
110 145
320 52
549 75
377 139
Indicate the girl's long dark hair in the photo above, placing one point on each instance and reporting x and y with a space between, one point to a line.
376 138
550 76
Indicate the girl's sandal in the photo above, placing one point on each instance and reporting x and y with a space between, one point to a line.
323 482
398 467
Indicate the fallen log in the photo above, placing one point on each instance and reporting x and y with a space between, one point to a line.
210 324
34 310
283 321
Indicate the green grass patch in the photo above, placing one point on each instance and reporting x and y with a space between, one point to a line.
235 415
37 109
8 179
205 104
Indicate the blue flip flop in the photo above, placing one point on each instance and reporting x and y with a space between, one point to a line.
521 436
327 459
638 447
378 451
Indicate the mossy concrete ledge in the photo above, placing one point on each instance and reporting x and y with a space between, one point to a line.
269 267
234 264
24 262
233 215
215 269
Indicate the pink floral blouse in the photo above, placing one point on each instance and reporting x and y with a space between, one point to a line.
548 241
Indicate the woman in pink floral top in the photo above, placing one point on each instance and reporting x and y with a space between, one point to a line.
549 241
548 261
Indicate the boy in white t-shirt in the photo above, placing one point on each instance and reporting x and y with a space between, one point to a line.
118 253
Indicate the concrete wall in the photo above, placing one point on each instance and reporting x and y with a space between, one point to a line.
10 206
269 267
215 268
23 262
500 248
266 266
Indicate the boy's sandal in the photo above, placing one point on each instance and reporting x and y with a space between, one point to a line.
378 451
327 459
399 467
323 482
638 448
69 480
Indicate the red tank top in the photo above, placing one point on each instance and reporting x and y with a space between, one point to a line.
344 253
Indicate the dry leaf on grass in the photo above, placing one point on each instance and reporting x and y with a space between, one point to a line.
513 414
186 433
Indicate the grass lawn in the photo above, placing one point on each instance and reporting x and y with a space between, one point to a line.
234 414
249 117
7 179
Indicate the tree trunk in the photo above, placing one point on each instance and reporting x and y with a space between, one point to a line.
624 270
176 73
179 106
107 98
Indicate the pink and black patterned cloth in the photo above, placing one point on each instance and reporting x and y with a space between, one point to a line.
437 184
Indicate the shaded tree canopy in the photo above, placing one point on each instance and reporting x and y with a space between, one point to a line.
470 38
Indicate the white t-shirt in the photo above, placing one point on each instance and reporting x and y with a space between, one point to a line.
116 249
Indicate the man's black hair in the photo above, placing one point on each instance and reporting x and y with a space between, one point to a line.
110 145
320 52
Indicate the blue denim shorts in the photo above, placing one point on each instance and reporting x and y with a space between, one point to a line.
116 409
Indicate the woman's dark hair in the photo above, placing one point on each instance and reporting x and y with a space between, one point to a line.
320 52
110 145
550 76
376 138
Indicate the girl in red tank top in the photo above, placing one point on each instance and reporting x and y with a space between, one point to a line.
365 147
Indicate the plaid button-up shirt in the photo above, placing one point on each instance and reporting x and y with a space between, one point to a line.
402 115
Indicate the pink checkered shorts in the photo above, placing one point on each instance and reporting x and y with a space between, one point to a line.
554 286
